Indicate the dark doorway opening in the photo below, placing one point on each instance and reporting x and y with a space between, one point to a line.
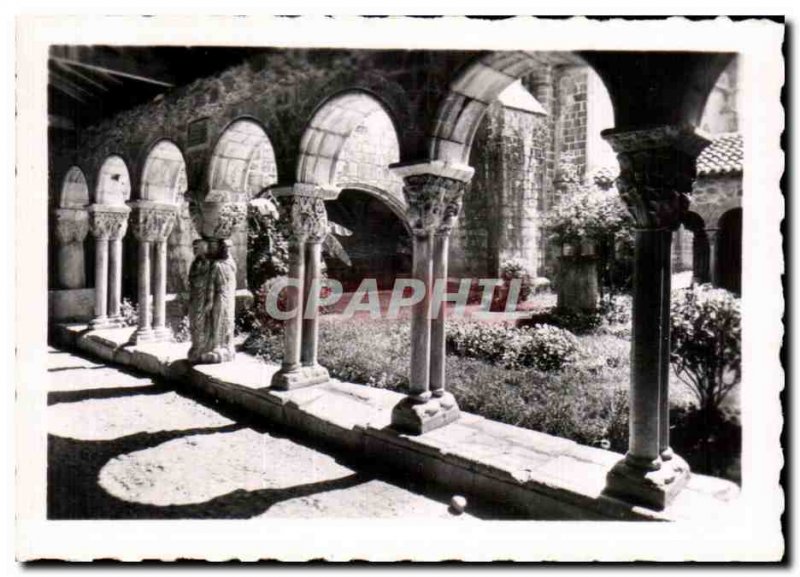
380 246
730 251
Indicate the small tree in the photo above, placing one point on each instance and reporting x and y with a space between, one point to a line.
706 343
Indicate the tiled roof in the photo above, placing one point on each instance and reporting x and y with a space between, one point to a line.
723 156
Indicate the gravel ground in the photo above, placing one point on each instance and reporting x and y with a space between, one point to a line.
121 446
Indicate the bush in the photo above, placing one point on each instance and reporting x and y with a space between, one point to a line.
544 347
576 322
706 343
180 330
510 270
129 313
566 404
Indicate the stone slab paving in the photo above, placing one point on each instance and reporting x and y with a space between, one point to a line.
538 475
122 446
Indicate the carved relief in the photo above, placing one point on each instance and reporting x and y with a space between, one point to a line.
657 170
308 217
218 220
434 202
153 223
108 224
72 225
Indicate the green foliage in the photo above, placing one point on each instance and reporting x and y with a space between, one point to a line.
589 213
510 270
568 404
544 347
267 241
180 330
129 313
706 343
596 213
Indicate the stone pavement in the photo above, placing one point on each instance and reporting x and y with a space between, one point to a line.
123 446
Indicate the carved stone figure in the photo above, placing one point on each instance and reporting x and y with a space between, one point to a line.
199 324
220 303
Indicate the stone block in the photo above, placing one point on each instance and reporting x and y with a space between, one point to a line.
417 418
299 378
653 489
70 305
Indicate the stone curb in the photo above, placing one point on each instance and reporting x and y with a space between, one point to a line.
540 475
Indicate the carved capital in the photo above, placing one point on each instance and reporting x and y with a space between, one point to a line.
218 220
71 224
434 202
307 217
657 169
153 221
108 221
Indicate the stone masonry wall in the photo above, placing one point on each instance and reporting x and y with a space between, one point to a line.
499 216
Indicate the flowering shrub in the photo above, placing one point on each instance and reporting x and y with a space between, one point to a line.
588 214
706 343
544 347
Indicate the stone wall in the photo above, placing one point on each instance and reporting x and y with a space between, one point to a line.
713 196
499 217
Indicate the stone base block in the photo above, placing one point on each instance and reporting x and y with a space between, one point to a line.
298 378
411 416
654 489
143 336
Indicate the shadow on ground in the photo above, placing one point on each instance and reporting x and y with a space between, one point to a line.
73 490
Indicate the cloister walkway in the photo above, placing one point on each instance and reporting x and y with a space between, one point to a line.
123 446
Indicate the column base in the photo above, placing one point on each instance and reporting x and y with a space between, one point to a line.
416 418
100 323
300 377
141 336
652 488
162 334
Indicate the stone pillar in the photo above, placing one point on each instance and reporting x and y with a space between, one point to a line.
212 281
115 274
108 223
657 173
311 288
304 207
160 291
433 191
712 234
71 227
152 224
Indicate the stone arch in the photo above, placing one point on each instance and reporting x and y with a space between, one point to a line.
380 244
331 127
242 162
113 182
396 204
74 190
474 88
164 173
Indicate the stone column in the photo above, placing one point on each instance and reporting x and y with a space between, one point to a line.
115 270
657 173
311 288
304 208
441 242
107 222
712 234
152 223
71 227
160 291
433 191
